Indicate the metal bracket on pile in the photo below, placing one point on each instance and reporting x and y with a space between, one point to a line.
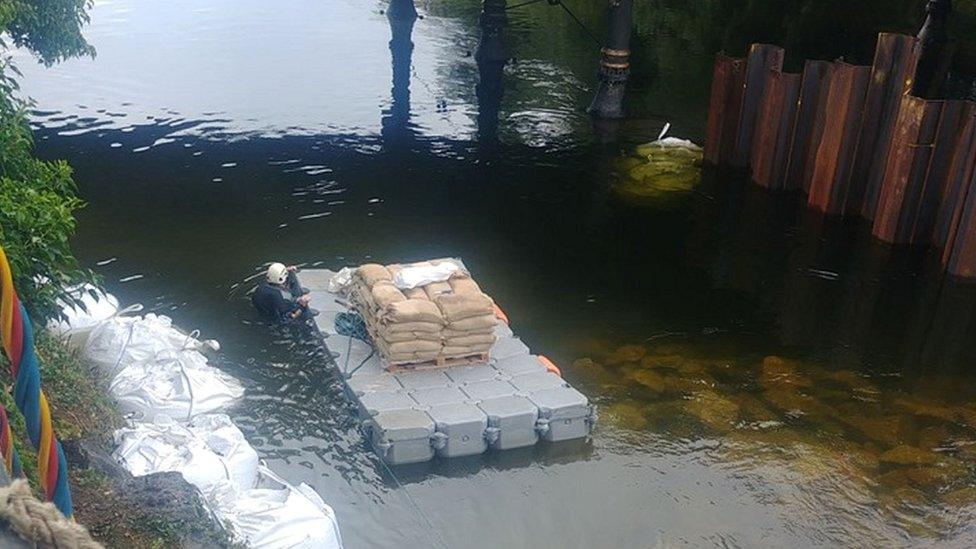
592 416
438 441
492 434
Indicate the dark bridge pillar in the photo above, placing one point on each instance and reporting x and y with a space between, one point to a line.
492 55
396 120
614 62
934 51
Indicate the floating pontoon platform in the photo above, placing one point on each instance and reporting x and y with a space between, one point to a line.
509 401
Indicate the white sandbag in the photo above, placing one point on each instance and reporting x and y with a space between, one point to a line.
275 515
77 321
122 341
211 450
340 281
178 384
412 275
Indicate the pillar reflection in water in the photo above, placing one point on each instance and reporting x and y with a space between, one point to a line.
492 55
396 119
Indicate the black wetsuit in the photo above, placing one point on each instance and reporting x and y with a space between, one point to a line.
267 299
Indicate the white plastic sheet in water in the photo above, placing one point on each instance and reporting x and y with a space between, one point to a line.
275 515
177 384
78 321
210 450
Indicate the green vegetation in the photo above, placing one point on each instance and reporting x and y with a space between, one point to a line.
37 198
51 29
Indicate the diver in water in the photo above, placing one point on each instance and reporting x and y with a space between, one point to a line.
269 301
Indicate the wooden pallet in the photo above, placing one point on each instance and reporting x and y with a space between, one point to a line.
438 363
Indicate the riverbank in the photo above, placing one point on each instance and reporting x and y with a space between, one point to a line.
159 510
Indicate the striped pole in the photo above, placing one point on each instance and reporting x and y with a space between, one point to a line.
18 344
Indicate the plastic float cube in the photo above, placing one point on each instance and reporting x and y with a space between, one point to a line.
437 396
519 364
462 375
460 429
564 413
511 422
402 436
537 381
485 390
508 347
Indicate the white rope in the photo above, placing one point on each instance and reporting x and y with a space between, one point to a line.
40 523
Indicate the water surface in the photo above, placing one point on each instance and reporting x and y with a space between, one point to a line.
773 364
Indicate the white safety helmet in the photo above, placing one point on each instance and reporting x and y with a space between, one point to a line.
277 273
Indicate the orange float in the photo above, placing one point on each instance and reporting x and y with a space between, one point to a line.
550 365
500 314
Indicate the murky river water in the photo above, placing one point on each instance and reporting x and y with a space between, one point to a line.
765 378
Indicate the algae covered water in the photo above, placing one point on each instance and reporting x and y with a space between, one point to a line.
765 377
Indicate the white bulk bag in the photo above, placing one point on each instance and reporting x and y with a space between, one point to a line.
275 515
178 384
224 439
122 341
77 321
164 445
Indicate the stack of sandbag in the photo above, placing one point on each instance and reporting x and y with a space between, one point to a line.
423 311
403 329
470 317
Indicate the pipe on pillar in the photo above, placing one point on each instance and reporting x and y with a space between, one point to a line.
934 51
614 62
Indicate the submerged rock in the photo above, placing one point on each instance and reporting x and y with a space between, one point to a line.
650 379
960 497
888 430
909 455
754 409
626 415
853 380
590 370
670 362
713 410
791 402
933 436
677 384
924 408
626 353
935 476
778 373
